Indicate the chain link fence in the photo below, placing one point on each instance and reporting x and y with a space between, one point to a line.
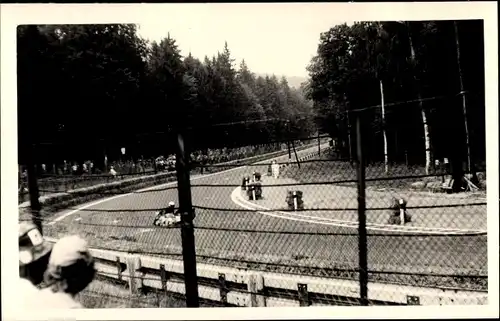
289 213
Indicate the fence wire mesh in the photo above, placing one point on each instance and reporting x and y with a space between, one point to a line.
352 217
290 214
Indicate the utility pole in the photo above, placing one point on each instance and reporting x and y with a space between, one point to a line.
293 145
349 136
464 104
386 159
362 237
288 142
187 227
295 152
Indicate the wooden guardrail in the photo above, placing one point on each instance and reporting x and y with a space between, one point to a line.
247 288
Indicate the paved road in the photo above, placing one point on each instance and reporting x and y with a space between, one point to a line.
337 205
125 223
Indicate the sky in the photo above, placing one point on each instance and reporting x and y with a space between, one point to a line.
273 39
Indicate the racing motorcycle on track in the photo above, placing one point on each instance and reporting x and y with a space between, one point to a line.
399 213
167 217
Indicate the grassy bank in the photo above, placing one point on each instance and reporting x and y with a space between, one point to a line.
399 176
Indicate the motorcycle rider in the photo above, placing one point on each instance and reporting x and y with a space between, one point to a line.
166 216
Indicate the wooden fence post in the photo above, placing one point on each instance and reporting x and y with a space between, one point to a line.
119 268
223 290
259 287
255 290
135 281
303 295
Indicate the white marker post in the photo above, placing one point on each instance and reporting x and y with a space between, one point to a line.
295 205
401 211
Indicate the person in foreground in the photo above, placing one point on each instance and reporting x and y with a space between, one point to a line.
70 270
34 252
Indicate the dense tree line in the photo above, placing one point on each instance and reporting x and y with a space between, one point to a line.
353 61
85 91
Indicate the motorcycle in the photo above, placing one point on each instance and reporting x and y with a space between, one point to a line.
167 217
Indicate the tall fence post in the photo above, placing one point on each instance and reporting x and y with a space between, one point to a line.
187 228
470 165
319 144
362 238
33 188
32 122
349 136
288 142
295 152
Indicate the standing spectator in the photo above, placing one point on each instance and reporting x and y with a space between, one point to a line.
23 183
199 162
74 169
70 270
204 163
44 169
34 254
113 172
275 169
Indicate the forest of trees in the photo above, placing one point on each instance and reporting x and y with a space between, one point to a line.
354 61
85 91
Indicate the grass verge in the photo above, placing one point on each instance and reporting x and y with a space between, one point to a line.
328 168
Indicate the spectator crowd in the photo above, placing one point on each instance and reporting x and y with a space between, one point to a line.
142 164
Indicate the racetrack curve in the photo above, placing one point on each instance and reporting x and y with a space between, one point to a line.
124 223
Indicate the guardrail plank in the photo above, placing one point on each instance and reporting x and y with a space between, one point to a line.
205 292
427 296
203 270
315 284
106 268
280 302
376 291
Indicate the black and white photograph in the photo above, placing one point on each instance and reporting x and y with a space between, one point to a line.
252 155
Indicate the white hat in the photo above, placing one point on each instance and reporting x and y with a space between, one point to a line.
68 250
171 204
